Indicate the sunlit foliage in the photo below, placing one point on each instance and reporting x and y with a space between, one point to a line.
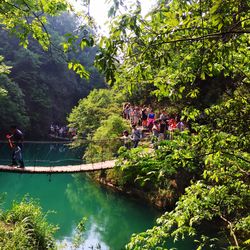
24 226
106 141
195 53
87 116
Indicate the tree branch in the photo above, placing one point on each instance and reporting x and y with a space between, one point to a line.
208 36
42 24
230 224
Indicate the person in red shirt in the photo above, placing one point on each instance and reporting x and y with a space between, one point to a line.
15 140
172 125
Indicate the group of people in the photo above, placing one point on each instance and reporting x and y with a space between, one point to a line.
135 137
159 125
62 131
143 121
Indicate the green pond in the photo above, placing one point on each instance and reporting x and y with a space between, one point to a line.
111 217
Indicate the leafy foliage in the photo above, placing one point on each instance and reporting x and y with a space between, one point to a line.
26 18
49 89
142 166
87 116
12 106
182 42
78 236
29 20
4 69
218 154
105 141
24 226
195 53
219 192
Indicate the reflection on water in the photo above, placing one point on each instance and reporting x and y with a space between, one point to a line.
44 154
112 218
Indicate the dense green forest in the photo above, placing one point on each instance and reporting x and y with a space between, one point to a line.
192 56
41 89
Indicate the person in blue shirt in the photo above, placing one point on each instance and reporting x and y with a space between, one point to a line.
151 119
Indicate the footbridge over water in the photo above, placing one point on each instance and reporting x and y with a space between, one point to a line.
52 157
60 169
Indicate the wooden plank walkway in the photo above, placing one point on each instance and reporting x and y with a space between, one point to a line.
60 169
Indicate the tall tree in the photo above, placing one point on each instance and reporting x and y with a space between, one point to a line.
197 53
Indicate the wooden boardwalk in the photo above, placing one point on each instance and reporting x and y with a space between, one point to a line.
60 169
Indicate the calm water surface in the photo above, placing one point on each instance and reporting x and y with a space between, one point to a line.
111 218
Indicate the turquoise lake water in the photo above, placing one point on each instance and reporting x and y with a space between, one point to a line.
111 217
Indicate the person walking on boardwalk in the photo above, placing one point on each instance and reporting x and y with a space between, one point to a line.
16 144
135 136
126 139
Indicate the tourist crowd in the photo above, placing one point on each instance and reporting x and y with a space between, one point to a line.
144 121
62 131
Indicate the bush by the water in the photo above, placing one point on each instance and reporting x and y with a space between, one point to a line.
24 226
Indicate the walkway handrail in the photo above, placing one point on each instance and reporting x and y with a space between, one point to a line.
61 169
72 141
